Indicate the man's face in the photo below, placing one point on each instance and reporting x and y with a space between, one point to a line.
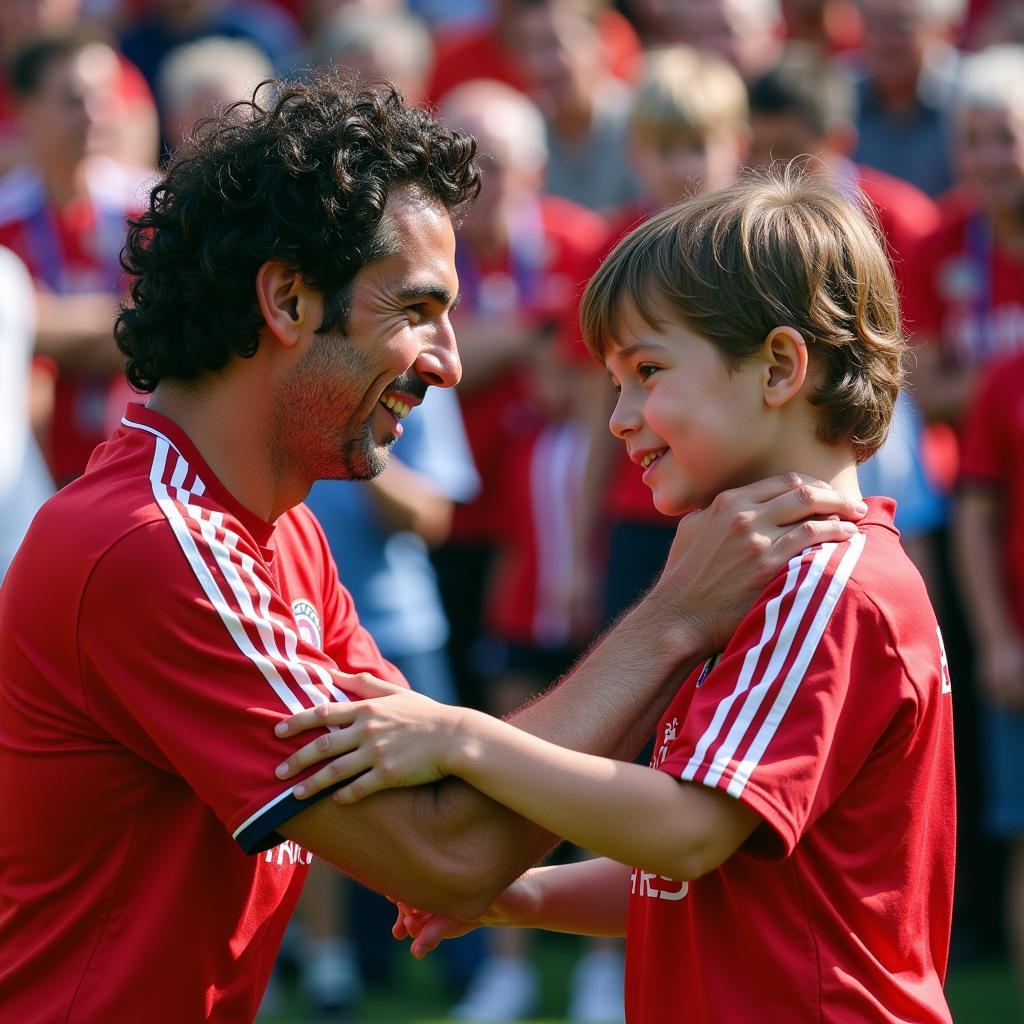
339 408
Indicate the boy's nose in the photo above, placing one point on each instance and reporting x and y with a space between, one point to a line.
625 418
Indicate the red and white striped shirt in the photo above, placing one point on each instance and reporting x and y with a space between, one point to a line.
828 714
152 631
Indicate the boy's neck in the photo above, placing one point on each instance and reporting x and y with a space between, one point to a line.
835 466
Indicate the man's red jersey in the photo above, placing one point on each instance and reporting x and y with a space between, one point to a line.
993 459
152 632
828 714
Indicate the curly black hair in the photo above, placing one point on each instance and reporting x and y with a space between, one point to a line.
299 173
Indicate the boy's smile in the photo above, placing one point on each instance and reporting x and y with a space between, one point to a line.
692 424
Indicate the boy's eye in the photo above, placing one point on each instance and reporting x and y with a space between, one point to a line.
644 370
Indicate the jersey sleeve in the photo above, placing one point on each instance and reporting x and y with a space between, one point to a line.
795 704
190 656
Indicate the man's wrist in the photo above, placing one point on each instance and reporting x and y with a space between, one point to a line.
681 634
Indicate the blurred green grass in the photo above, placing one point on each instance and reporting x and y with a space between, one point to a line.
978 993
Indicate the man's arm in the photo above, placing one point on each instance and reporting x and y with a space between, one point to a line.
451 849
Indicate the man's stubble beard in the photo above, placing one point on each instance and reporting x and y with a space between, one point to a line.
330 376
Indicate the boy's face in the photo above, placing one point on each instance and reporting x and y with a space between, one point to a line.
672 171
699 427
991 156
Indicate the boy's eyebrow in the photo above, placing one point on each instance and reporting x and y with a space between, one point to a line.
411 291
634 347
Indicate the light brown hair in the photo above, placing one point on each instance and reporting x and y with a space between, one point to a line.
686 94
772 250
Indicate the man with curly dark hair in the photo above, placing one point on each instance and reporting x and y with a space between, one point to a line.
293 278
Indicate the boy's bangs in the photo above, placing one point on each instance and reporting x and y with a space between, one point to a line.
631 281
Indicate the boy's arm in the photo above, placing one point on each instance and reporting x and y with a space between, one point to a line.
623 811
588 898
977 529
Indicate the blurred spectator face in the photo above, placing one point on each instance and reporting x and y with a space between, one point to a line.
779 138
990 150
896 35
72 113
559 52
673 170
739 31
24 20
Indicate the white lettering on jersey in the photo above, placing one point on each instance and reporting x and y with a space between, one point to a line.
671 731
290 852
947 683
641 883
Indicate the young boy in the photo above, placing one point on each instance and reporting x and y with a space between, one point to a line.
793 846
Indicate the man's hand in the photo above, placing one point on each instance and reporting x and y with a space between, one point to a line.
725 555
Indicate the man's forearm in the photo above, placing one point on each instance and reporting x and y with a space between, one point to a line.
611 702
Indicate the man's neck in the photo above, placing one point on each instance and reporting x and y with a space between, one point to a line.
231 442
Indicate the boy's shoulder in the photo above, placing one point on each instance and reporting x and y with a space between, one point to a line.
863 597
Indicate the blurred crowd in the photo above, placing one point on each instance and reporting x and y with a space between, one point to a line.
510 527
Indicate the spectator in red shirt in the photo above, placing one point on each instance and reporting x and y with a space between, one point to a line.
964 299
989 532
64 213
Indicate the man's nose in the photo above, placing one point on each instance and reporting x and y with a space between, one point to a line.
439 363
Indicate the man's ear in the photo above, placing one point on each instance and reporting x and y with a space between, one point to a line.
785 356
284 301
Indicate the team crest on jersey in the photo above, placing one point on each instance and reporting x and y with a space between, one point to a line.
307 620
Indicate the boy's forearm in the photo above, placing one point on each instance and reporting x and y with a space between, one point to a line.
588 898
620 810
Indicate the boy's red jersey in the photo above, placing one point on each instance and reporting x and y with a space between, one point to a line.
829 714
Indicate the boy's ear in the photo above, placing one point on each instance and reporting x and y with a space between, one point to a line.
284 301
785 356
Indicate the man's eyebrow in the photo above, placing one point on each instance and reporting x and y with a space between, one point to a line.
411 292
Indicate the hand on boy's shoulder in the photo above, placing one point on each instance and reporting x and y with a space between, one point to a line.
724 555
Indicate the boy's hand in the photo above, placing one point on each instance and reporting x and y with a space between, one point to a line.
725 555
400 738
512 909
